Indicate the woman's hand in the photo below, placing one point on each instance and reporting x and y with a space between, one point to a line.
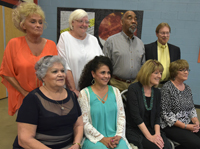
115 140
193 127
75 146
197 127
157 139
195 121
106 141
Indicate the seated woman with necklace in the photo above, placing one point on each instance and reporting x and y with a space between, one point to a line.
50 116
102 107
143 109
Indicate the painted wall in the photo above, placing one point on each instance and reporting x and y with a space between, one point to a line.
182 15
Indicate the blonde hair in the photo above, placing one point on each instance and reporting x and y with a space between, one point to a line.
146 70
161 25
177 65
22 11
76 15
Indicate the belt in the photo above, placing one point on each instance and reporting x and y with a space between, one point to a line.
127 81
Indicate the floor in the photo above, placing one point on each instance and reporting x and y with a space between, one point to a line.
8 129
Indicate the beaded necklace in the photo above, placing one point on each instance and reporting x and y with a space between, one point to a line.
151 101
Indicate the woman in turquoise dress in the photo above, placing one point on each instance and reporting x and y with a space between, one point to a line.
102 107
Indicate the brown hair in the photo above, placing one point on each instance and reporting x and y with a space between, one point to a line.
161 25
176 66
146 70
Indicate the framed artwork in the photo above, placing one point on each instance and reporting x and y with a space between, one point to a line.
103 22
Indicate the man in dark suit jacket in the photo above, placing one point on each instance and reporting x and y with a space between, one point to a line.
163 51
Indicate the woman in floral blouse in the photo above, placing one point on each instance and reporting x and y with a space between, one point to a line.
178 115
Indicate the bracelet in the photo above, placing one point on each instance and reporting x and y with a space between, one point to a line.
185 126
78 144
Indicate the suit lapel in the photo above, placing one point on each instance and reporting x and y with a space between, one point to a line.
155 51
170 52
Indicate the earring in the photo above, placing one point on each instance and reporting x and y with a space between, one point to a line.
43 84
93 81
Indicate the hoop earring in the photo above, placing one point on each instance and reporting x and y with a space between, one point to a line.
93 81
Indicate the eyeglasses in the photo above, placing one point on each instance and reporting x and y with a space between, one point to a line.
184 70
82 22
163 33
45 57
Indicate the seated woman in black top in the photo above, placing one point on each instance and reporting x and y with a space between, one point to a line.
143 109
50 116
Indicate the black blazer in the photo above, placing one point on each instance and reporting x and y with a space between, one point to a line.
135 108
151 51
135 111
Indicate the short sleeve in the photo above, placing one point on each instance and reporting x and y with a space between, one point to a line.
28 112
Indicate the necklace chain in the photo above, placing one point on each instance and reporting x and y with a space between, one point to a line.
151 101
60 105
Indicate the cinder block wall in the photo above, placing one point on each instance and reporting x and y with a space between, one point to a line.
182 15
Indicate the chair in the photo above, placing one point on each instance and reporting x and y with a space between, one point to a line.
123 94
124 98
173 143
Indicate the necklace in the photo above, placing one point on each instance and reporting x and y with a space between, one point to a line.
151 101
60 105
102 99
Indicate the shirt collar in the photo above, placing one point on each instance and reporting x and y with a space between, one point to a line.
160 45
127 37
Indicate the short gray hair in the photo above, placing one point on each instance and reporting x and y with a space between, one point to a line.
76 15
45 63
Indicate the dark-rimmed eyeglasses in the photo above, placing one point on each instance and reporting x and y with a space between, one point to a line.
184 70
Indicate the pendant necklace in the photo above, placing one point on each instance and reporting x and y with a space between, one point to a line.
151 101
60 105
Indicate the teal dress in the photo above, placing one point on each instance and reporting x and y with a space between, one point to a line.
104 119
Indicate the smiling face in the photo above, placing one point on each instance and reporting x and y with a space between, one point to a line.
129 23
33 25
55 76
155 78
102 75
163 35
80 26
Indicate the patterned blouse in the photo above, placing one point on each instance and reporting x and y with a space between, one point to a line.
176 105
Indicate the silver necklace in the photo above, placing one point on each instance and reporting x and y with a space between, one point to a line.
60 105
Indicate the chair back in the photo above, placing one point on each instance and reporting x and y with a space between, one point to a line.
124 97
